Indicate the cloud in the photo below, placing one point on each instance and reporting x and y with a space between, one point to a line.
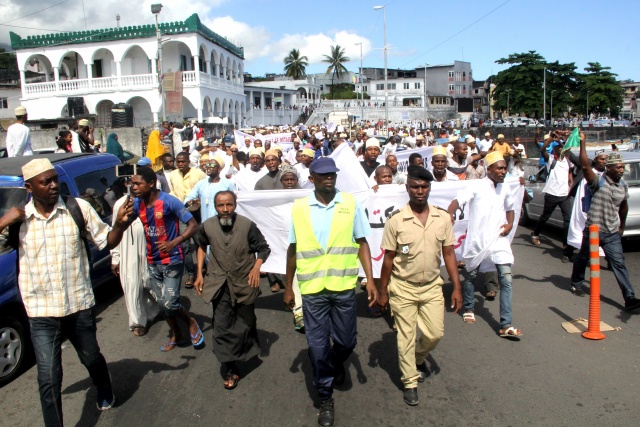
254 39
315 46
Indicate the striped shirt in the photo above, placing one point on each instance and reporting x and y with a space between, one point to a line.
605 204
54 271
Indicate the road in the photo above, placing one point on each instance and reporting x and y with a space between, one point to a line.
550 377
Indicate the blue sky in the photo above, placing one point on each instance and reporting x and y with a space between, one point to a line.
418 32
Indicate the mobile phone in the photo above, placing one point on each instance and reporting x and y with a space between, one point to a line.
126 170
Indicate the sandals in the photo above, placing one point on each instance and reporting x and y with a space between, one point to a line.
535 240
198 339
275 288
231 381
469 317
138 331
189 283
510 332
298 321
491 295
461 264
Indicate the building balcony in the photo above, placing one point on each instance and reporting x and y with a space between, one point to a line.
137 82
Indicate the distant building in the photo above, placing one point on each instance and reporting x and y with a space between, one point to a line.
446 86
630 108
87 72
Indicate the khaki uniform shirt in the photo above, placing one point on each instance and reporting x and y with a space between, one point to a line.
418 248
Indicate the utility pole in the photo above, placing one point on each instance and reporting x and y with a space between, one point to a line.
551 118
361 88
386 84
544 102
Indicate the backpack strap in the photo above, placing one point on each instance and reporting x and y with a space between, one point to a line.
76 213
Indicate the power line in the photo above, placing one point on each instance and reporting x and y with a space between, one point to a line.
33 13
31 28
454 35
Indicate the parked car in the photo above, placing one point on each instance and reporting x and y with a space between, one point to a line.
533 209
86 176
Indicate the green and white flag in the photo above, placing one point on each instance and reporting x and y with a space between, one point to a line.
572 141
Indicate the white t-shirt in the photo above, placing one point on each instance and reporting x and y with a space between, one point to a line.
389 149
75 143
520 148
558 182
18 141
485 145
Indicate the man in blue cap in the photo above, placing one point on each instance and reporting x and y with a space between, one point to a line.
326 239
559 181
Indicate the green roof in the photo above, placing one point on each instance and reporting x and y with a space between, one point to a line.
190 25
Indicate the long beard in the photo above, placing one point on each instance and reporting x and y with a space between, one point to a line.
226 222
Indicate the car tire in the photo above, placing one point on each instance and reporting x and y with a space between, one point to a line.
14 342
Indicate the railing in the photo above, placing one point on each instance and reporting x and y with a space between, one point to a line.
132 82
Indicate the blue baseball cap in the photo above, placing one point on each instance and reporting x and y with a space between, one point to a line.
144 161
554 144
323 165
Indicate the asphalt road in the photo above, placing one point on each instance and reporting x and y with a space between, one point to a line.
550 377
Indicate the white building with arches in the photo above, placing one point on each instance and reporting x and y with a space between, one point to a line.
118 65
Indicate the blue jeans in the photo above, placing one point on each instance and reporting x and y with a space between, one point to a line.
504 277
611 244
165 285
329 315
47 334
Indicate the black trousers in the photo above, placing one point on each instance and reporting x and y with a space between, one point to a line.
550 204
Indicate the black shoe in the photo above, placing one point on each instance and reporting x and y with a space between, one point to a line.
631 304
423 371
326 416
578 291
411 396
339 373
566 259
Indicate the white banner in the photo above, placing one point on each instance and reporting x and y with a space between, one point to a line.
271 210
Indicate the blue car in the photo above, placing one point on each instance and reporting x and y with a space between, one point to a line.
86 176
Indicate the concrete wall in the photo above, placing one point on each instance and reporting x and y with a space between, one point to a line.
130 138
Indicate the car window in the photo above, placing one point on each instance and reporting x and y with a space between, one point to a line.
64 189
632 174
93 187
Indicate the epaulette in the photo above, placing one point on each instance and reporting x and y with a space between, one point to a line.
438 207
389 215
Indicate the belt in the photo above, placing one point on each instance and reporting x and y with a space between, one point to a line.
418 284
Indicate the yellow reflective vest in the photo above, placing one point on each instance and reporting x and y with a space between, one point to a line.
336 268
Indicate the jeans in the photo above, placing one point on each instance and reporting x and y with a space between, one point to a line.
611 244
47 334
504 277
550 204
165 285
329 315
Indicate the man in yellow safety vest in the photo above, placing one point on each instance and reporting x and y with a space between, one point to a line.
327 237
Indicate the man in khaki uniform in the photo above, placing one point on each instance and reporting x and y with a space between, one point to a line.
414 238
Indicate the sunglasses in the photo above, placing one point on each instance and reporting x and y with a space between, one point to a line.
212 165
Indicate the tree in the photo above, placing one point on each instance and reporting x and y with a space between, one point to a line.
295 65
521 84
602 89
336 63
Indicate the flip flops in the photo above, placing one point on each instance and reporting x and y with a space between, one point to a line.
168 346
198 339
231 381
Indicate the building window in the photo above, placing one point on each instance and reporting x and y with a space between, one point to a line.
417 85
450 74
391 86
405 85
380 86
450 88
365 89
4 103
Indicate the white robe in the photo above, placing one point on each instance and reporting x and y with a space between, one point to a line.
246 179
579 218
486 208
131 255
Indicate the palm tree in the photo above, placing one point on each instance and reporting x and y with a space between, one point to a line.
295 65
336 63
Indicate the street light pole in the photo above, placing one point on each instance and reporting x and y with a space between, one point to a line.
426 95
587 105
544 102
361 89
386 85
551 118
155 9
508 111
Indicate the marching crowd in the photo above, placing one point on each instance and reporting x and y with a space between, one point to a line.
181 219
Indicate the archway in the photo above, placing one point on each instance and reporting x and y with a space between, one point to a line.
72 66
176 56
104 64
214 63
103 113
135 61
217 110
207 108
188 110
142 115
40 64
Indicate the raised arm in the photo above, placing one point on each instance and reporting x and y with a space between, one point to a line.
585 163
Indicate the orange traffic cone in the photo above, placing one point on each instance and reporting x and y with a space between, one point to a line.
593 330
